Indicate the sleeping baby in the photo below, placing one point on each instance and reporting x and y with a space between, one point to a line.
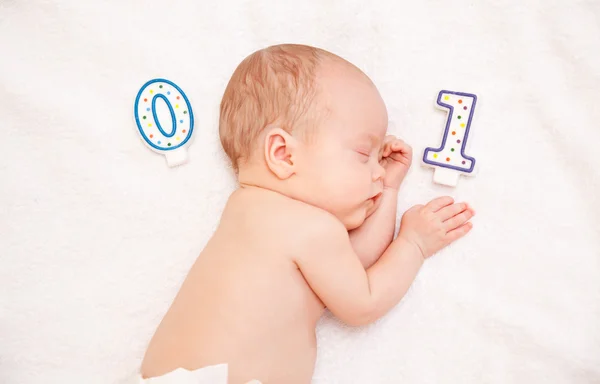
310 227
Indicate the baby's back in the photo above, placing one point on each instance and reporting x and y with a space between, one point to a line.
244 302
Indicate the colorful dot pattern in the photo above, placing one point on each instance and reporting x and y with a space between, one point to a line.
181 121
452 148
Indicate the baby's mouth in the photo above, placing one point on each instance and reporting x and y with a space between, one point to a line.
376 197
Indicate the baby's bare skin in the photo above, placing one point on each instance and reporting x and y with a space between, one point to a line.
310 227
245 302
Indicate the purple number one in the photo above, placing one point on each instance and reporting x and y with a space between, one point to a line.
449 160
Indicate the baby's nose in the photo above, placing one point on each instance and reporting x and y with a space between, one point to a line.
379 173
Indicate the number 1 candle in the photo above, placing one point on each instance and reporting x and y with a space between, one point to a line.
449 161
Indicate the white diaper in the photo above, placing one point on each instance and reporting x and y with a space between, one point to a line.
213 374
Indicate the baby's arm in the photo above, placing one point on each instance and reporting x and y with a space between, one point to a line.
358 296
373 237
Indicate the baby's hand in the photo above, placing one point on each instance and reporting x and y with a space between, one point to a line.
433 226
396 158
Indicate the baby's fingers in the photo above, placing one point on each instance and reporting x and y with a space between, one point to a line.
439 203
400 146
459 232
450 211
388 147
458 220
385 150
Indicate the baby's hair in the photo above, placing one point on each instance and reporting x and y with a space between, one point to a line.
274 86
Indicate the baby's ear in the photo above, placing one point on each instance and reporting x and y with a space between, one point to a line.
280 149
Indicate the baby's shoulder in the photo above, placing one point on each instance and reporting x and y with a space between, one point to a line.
282 217
310 223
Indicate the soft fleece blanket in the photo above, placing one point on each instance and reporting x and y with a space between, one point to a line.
97 232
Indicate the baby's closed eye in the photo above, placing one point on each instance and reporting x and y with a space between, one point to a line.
363 154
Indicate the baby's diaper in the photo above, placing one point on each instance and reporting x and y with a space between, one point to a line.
213 374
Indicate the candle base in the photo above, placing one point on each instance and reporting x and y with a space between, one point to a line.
176 157
445 176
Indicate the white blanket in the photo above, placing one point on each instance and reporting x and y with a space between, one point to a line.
97 233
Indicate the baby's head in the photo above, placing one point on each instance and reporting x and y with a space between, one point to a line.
308 124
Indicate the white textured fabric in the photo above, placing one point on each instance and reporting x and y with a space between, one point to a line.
97 233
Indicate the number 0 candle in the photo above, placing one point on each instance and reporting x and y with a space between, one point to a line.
449 161
164 119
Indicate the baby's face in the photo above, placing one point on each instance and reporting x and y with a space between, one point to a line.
342 165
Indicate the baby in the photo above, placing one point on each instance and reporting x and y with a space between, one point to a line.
310 227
